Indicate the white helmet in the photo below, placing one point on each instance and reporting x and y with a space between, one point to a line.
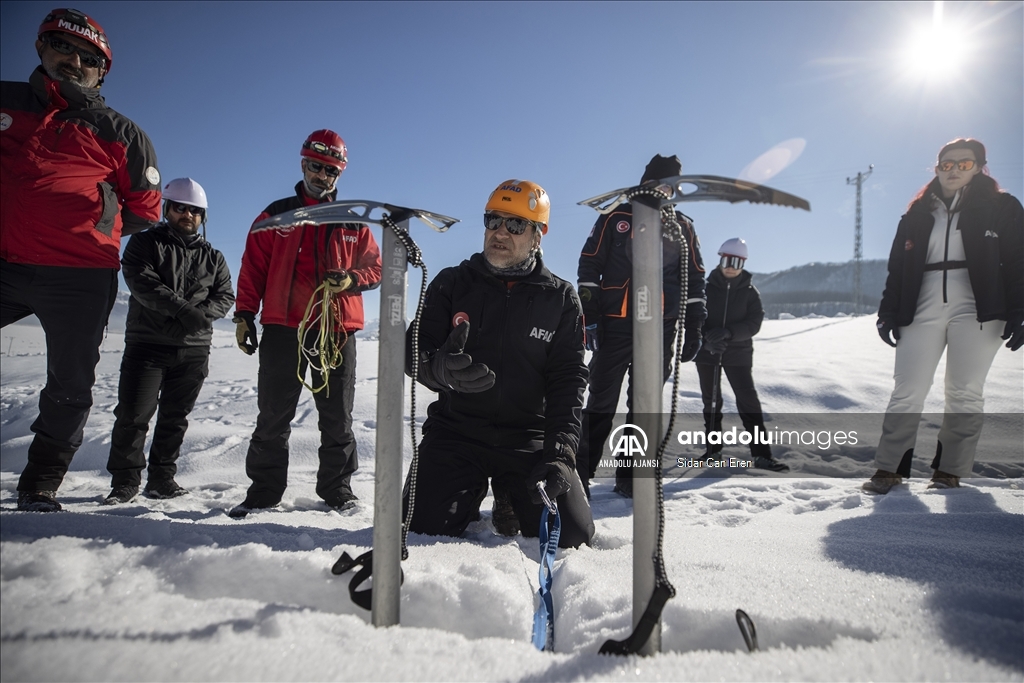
186 191
734 247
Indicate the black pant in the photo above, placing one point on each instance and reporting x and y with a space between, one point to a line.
452 481
72 305
747 404
610 363
152 376
266 462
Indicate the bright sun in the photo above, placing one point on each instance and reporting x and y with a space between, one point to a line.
939 50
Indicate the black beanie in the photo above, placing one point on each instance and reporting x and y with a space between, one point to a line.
662 167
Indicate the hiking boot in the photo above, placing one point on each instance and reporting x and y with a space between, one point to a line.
38 501
624 487
254 502
342 499
121 495
166 488
503 516
943 480
881 482
767 462
713 455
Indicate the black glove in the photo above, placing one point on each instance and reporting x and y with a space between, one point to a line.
719 334
1014 331
716 341
691 345
338 281
192 319
556 470
716 349
592 332
885 327
589 298
245 331
450 368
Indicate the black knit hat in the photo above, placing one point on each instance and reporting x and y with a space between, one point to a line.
662 167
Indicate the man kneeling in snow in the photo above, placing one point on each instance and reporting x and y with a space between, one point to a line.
501 341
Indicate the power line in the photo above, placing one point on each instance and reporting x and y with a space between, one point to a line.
857 236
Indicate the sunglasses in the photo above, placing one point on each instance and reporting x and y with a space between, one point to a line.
734 262
515 226
89 59
315 167
187 208
963 165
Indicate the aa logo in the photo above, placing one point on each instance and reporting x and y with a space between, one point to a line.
632 442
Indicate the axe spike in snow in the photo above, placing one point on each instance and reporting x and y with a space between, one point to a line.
709 188
747 630
352 211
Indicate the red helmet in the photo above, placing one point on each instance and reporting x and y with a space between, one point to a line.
78 24
326 146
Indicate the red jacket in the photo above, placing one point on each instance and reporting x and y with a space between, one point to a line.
282 268
74 174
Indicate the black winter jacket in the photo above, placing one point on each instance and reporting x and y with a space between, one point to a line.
993 237
606 267
164 274
530 333
735 305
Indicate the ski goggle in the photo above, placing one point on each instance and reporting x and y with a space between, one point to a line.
315 167
88 59
515 226
178 207
734 262
963 165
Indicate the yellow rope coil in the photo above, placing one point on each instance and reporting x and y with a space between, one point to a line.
325 354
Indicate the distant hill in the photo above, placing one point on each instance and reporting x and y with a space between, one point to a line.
821 289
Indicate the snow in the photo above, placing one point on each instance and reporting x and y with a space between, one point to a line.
916 585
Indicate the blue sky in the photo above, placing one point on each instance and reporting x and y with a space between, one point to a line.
439 102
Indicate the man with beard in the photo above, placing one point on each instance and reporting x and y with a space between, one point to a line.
75 176
281 272
501 341
180 285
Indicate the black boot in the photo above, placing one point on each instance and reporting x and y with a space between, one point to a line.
38 501
121 495
165 488
502 515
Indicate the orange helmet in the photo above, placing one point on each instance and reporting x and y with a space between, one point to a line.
524 199
78 24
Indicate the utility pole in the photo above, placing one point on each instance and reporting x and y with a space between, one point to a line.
857 238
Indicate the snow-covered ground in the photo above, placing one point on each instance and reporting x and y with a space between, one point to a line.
916 585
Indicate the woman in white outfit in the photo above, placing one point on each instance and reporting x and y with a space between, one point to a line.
955 284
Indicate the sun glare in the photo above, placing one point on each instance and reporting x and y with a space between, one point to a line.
939 50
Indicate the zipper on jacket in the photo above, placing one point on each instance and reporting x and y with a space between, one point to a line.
945 255
504 328
57 130
725 311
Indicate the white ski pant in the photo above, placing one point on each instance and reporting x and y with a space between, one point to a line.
943 322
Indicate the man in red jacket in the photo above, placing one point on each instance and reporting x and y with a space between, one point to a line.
75 176
282 271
